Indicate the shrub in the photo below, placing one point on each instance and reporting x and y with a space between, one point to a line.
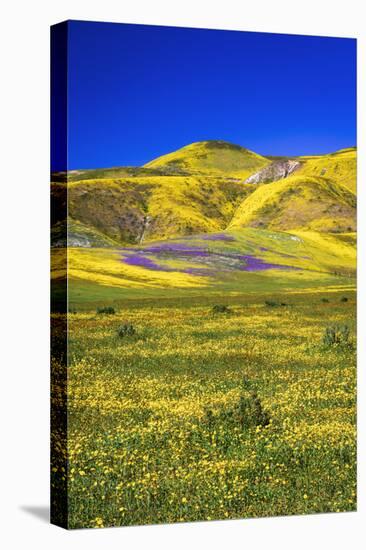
336 335
109 310
344 299
220 308
270 303
325 300
126 330
247 413
251 413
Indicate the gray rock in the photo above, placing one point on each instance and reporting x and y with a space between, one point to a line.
277 170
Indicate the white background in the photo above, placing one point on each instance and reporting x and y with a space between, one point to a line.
24 218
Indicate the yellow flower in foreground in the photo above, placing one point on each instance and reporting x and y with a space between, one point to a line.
139 429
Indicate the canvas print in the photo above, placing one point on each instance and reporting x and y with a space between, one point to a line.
203 205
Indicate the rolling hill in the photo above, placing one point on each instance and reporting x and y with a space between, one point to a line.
340 167
315 203
129 210
206 186
211 216
211 158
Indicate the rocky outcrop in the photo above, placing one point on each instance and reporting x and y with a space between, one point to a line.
275 171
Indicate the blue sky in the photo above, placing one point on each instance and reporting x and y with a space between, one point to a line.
137 92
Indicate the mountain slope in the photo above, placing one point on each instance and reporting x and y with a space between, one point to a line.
210 158
314 203
340 167
129 209
130 205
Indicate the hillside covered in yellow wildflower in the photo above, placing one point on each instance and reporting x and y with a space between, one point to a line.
213 215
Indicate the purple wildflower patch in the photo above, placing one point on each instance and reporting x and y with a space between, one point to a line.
210 263
257 264
142 261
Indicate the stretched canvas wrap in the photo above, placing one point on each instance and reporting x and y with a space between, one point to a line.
203 198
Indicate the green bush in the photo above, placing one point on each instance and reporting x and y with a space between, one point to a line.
270 303
247 413
251 413
220 308
325 300
109 310
126 330
344 299
336 335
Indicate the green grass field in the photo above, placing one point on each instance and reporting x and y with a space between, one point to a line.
194 414
167 424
